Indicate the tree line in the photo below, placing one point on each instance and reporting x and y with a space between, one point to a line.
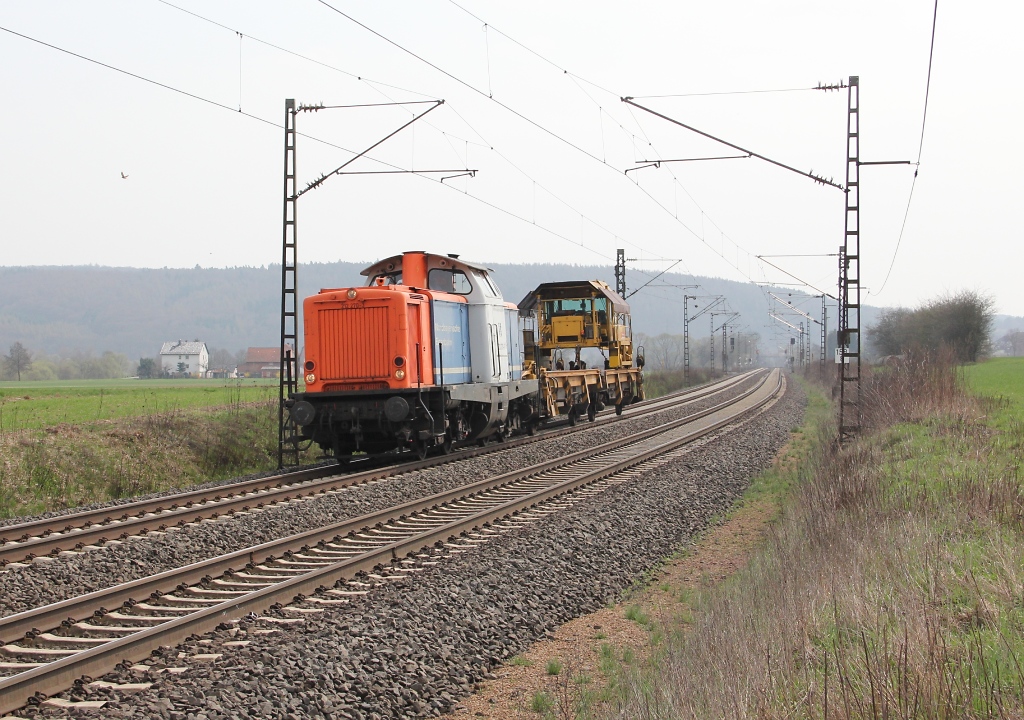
664 352
961 322
20 363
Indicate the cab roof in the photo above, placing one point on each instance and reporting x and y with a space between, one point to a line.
394 263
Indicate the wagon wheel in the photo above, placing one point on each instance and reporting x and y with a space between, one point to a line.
572 415
420 448
592 412
618 408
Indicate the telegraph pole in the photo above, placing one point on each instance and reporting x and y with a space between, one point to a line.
686 339
713 345
803 346
824 335
725 348
287 382
620 272
848 333
287 436
686 329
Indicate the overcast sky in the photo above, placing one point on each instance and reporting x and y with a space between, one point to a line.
532 102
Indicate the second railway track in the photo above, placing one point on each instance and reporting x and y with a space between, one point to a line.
256 578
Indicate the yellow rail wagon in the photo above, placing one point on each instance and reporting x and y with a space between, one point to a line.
561 320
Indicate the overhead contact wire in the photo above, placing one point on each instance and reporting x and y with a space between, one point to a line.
459 80
920 150
361 78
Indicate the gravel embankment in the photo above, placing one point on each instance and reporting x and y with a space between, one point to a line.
52 580
411 648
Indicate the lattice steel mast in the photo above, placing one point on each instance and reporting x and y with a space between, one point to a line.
849 331
620 272
288 383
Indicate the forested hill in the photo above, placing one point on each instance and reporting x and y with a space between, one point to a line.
59 310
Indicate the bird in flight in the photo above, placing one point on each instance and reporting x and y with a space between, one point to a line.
123 176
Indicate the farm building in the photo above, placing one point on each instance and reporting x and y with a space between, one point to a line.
262 362
181 357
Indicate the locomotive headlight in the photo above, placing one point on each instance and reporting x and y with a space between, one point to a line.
400 374
352 294
310 379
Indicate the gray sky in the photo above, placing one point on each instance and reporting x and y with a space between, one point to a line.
204 182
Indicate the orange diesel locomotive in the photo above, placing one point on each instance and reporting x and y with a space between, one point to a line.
425 355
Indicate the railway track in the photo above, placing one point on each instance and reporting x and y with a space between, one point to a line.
166 608
79 531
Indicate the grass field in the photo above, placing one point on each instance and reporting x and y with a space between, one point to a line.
36 405
998 378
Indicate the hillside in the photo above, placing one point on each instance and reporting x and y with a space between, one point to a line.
131 311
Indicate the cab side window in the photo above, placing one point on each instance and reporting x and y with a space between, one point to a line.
440 280
450 281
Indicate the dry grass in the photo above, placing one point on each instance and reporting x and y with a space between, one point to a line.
663 382
68 465
891 587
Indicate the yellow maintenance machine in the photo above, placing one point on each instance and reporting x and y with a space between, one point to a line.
561 319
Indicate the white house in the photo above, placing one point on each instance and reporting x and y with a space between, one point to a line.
182 357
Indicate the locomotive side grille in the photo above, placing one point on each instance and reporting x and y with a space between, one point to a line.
341 387
354 343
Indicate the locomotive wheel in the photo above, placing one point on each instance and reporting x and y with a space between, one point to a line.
531 429
420 448
592 412
446 444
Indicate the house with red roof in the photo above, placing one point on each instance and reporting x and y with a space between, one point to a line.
262 362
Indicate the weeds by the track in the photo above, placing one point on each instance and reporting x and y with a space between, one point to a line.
663 382
892 583
67 465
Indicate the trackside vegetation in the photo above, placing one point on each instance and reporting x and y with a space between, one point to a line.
69 444
892 582
663 382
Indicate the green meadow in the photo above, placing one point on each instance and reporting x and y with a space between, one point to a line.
1000 378
37 405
